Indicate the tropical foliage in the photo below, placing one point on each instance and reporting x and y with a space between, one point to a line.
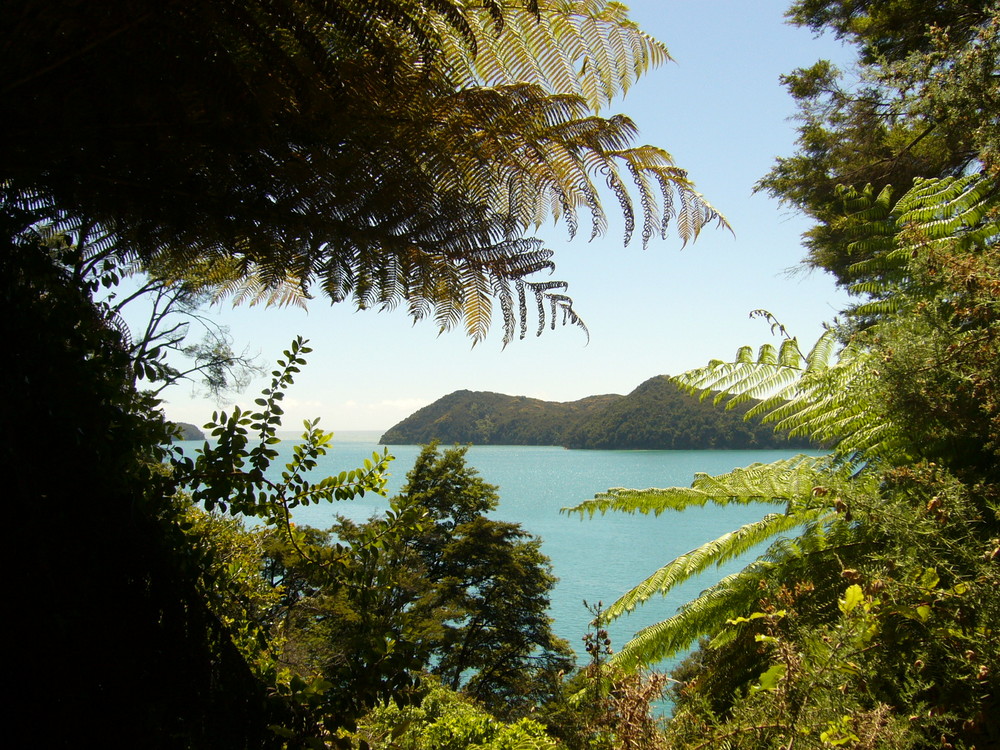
867 622
393 153
396 153
434 586
400 153
444 720
922 103
335 623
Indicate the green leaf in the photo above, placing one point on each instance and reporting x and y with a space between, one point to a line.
852 598
769 680
929 579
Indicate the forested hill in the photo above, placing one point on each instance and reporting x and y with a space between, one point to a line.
190 431
655 416
659 416
485 418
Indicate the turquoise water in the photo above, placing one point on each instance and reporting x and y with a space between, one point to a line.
595 559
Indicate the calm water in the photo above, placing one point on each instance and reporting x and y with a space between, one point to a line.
595 559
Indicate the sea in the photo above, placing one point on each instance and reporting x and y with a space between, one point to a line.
596 559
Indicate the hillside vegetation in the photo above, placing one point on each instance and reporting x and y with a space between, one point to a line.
189 431
655 416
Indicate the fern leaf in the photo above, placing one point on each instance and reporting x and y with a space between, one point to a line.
708 613
586 48
713 553
822 531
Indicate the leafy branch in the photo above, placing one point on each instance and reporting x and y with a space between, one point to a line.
233 477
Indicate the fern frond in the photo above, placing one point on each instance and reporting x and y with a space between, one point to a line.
587 48
361 149
820 396
477 303
531 153
821 532
708 613
792 482
779 482
826 395
648 501
960 213
252 289
714 553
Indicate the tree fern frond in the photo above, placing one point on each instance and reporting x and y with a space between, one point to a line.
713 553
708 613
828 395
878 308
587 48
787 480
655 501
821 531
253 290
779 482
814 397
358 149
946 212
542 153
791 482
477 303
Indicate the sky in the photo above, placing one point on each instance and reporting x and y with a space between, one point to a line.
721 112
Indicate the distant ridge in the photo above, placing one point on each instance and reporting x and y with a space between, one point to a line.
189 431
655 416
486 418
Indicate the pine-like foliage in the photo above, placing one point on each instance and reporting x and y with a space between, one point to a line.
391 153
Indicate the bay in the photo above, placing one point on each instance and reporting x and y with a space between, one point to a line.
595 559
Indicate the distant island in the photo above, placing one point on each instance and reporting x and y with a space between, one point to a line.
189 431
655 416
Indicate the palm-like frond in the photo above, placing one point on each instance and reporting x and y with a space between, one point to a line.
818 395
530 155
229 278
490 164
708 613
372 151
801 484
790 482
713 553
821 533
780 482
588 48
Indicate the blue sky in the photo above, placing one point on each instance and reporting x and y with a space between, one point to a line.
720 111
